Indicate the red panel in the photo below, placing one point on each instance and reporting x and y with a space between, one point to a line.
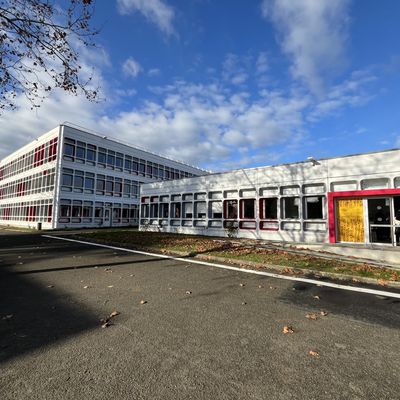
332 196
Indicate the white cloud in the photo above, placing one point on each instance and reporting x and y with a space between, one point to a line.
154 72
313 34
234 69
156 11
131 67
262 63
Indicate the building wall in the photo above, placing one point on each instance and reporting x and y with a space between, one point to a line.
57 181
27 183
297 193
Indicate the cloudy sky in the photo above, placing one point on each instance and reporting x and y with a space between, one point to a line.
235 83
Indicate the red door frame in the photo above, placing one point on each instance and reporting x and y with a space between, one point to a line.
332 196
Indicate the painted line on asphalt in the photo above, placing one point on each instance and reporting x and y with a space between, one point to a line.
248 271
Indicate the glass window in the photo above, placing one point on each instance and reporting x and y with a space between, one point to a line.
215 209
100 183
200 208
118 187
163 210
110 160
127 164
231 209
127 189
313 207
270 208
69 149
65 210
78 181
290 207
81 152
248 208
187 210
101 156
175 210
118 162
67 180
89 183
90 155
109 186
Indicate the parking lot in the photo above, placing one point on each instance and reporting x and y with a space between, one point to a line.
183 331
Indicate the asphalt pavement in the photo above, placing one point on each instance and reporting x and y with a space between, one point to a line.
184 331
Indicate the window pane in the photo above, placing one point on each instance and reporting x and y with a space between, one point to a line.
90 155
270 208
231 209
80 152
314 207
291 207
89 183
69 149
78 182
248 209
67 180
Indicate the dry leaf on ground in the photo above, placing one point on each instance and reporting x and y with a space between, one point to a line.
143 301
188 292
114 313
287 329
323 313
311 316
313 353
316 297
242 285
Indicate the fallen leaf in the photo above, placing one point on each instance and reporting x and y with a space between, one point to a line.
381 282
86 287
143 301
242 285
105 325
316 297
50 286
110 286
272 287
114 313
259 286
244 303
9 316
287 329
323 313
311 316
313 353
188 292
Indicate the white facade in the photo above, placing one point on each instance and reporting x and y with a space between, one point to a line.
346 199
70 177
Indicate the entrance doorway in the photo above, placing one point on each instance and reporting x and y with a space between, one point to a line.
384 220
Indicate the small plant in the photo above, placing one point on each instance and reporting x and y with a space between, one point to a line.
231 229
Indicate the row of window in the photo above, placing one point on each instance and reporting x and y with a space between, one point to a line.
31 211
81 152
42 154
37 183
270 209
104 185
77 211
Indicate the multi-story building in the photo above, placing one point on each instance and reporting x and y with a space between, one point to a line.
70 177
351 199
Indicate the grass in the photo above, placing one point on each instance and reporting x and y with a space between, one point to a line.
236 252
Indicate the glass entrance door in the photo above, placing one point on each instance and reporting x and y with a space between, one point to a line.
380 220
396 219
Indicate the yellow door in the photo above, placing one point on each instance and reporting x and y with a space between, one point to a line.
350 218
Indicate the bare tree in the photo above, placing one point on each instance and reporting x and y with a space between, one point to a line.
39 45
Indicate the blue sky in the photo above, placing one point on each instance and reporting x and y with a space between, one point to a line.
236 83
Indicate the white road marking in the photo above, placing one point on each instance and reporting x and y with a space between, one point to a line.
248 271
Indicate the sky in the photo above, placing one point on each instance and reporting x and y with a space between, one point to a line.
226 84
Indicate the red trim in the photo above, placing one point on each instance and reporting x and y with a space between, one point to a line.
332 196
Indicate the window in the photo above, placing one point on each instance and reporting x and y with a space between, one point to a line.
163 210
231 209
69 149
127 165
290 207
80 152
127 189
118 161
215 209
76 209
98 211
87 209
109 186
91 153
313 207
101 156
247 208
187 210
89 183
67 179
175 210
78 180
200 209
65 210
269 208
145 211
100 183
110 159
117 188
154 210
